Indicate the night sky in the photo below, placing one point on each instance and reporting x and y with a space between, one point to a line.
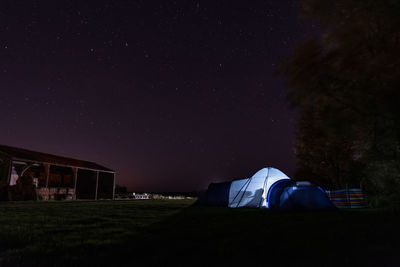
173 95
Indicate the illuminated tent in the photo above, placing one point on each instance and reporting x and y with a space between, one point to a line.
268 188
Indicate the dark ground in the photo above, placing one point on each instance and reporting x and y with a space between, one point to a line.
173 232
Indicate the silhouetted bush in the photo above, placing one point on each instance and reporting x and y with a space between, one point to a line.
23 190
391 202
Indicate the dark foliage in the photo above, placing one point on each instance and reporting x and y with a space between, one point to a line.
120 189
345 84
23 190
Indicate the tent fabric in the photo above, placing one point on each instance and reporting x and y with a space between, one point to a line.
297 196
267 188
275 192
252 192
217 194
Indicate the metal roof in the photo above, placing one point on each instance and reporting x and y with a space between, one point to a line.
33 156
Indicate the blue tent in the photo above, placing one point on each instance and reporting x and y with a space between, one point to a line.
299 196
268 188
217 194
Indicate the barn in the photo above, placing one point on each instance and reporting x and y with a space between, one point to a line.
56 177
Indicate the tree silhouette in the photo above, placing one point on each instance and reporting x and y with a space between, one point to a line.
346 85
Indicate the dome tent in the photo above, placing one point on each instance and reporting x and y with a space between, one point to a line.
252 192
303 196
267 188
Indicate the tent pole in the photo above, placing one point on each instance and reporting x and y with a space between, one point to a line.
244 192
265 181
240 189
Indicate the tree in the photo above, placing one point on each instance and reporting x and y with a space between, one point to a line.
346 85
120 189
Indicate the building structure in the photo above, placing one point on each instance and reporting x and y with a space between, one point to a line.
140 196
57 177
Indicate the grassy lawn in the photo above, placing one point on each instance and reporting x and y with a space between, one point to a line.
128 233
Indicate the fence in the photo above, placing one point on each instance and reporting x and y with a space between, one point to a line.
347 198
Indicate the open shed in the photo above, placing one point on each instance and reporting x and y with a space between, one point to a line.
57 177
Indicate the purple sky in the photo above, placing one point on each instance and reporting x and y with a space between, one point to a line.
173 95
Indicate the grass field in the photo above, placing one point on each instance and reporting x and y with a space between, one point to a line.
160 233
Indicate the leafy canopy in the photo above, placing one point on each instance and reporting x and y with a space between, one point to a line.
345 84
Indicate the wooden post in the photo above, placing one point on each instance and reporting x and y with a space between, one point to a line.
97 184
47 172
75 175
113 196
9 172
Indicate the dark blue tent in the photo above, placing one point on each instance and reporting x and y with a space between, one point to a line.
275 192
217 194
299 196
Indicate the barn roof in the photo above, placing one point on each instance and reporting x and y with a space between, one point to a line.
33 156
